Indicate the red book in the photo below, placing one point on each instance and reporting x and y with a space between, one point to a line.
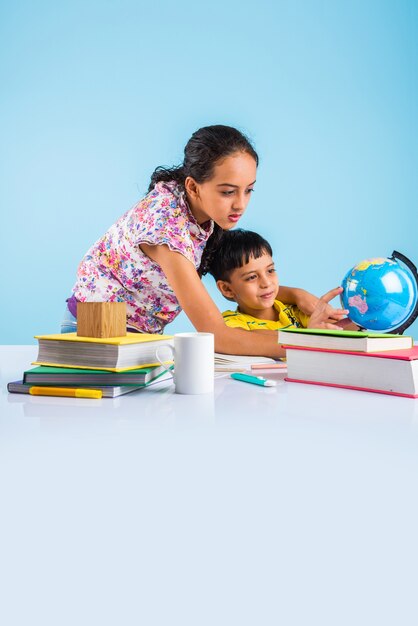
394 372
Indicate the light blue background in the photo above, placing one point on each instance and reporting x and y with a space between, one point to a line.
96 94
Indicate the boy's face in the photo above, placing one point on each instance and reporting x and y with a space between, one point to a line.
253 286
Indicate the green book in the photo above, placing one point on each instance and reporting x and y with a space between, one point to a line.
346 340
62 376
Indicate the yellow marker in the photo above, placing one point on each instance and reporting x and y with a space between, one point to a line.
67 392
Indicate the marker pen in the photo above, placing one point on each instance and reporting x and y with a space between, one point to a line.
66 392
255 380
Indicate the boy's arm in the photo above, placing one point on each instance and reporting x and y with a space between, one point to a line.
307 302
304 300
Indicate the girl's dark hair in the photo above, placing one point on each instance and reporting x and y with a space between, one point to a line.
234 250
205 147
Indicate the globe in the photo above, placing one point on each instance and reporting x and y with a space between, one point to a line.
381 294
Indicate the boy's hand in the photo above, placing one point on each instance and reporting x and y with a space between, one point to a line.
324 315
304 300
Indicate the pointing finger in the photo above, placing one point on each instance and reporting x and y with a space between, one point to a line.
330 295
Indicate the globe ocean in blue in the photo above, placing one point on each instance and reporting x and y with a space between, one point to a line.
381 294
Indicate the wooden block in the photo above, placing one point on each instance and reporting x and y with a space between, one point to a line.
101 319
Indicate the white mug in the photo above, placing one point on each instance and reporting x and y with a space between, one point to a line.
194 362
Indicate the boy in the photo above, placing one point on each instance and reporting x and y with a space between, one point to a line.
244 271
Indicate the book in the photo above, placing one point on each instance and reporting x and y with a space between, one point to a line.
235 363
108 391
114 354
393 372
76 377
355 341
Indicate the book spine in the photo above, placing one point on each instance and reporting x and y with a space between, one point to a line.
11 388
322 384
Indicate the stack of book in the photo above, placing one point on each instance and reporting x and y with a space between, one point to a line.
382 363
70 365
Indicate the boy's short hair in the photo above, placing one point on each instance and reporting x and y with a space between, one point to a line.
234 250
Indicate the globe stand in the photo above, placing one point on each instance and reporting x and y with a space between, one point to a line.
411 319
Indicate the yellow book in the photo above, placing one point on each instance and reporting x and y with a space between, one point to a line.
105 369
129 338
113 354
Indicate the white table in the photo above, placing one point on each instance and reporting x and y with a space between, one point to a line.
294 505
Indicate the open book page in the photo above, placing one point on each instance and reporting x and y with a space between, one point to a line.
236 363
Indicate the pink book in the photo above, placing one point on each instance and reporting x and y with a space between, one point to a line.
394 372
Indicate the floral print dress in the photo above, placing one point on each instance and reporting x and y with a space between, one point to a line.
116 269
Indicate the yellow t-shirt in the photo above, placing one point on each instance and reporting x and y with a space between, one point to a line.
289 317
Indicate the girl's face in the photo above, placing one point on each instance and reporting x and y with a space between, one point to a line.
225 196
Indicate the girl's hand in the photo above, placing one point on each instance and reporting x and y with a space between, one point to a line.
324 315
347 324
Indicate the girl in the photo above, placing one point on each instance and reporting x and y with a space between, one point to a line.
154 256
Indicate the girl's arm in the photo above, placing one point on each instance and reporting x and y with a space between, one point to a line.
203 312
